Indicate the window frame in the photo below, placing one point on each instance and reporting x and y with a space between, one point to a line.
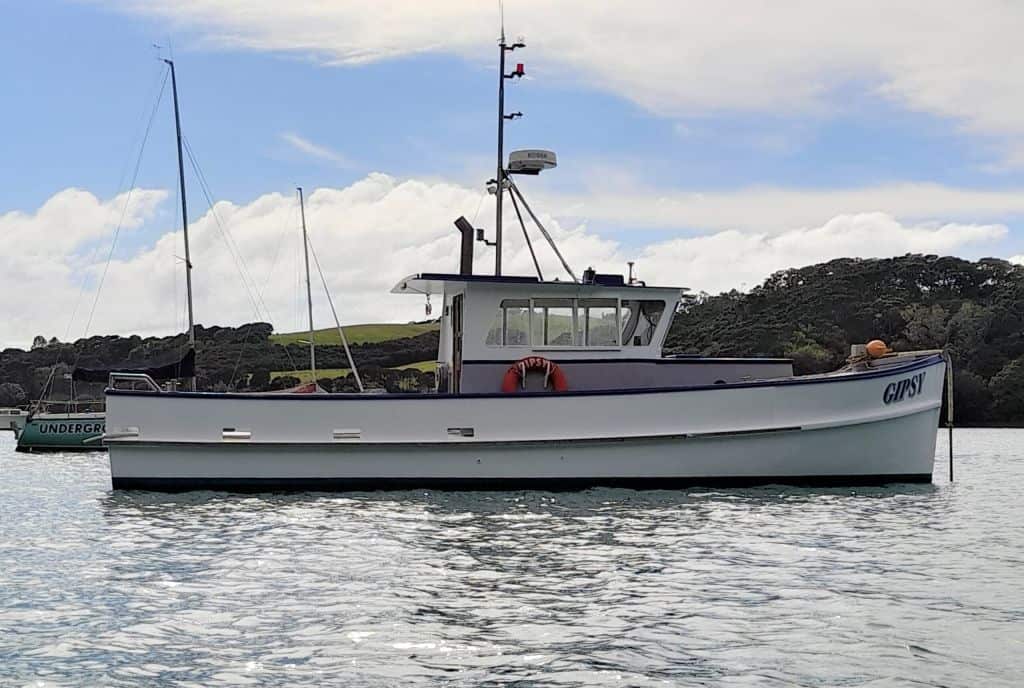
503 331
657 326
612 302
580 319
576 317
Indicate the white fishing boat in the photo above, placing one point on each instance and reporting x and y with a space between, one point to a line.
13 419
544 383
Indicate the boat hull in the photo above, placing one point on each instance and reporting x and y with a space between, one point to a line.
13 420
841 430
63 432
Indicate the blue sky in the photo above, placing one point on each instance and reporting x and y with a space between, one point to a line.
78 78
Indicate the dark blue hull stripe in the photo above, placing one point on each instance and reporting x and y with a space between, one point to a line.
560 484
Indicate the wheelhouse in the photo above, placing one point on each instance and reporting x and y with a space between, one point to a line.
603 332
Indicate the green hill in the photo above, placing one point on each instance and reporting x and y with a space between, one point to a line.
329 373
359 334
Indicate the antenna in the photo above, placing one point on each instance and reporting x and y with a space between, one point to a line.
530 161
501 180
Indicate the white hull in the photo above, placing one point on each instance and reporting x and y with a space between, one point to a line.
13 420
837 429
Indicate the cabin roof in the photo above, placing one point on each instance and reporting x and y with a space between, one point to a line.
435 282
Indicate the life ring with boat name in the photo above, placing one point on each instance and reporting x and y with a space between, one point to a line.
515 376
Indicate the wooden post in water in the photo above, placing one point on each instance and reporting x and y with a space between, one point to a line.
949 408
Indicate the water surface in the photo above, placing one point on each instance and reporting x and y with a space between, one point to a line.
906 585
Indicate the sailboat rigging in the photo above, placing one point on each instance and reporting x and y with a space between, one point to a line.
307 248
78 430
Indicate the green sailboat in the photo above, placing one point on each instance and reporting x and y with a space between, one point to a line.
78 430
78 425
63 432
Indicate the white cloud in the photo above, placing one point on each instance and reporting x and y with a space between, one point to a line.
677 57
369 235
315 150
729 259
73 217
48 254
776 209
1019 260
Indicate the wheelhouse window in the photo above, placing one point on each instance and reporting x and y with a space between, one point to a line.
555 323
640 320
575 323
511 324
600 321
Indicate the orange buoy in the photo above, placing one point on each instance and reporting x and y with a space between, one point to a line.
876 348
516 374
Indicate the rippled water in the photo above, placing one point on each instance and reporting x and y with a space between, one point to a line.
905 585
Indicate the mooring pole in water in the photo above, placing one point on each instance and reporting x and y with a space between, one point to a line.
951 452
949 408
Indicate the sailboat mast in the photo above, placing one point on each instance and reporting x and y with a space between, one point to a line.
184 215
309 289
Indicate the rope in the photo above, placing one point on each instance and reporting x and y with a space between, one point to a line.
526 236
248 329
554 247
110 254
124 210
225 234
337 322
232 247
478 204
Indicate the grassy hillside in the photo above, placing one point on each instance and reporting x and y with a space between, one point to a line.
359 334
329 373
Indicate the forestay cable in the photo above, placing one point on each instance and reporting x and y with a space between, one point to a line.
337 322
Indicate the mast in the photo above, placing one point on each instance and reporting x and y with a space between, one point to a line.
307 245
503 47
501 152
309 289
184 217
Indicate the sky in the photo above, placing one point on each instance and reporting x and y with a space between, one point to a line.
711 143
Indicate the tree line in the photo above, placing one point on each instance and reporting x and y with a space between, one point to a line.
227 359
812 315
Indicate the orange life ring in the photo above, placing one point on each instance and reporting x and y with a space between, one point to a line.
515 375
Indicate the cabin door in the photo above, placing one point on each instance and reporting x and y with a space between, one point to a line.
456 343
